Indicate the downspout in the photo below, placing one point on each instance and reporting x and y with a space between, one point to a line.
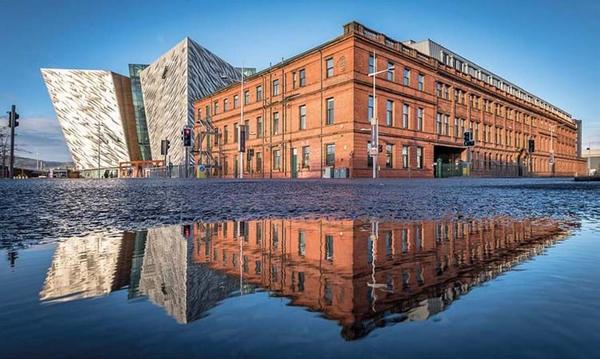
321 113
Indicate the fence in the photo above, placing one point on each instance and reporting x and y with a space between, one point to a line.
480 169
175 171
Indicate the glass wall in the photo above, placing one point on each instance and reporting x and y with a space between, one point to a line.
140 112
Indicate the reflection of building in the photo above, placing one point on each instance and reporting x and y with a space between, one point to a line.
363 275
408 271
95 111
86 267
170 85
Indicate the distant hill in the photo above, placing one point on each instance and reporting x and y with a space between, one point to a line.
30 163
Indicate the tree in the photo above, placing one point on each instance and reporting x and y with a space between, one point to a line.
4 143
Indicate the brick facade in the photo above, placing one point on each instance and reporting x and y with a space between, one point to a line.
336 74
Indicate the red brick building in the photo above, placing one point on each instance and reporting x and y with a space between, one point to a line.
309 116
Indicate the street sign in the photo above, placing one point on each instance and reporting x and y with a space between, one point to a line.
202 168
373 151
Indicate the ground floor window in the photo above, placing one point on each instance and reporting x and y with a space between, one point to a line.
330 154
389 156
277 160
305 157
405 152
258 162
369 157
419 157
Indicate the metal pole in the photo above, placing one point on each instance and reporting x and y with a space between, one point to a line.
374 127
12 120
241 154
552 150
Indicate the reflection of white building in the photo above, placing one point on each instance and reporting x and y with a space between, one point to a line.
94 109
185 73
171 280
83 268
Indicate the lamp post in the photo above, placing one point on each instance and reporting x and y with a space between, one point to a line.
240 132
374 123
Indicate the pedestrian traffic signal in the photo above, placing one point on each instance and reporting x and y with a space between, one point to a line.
187 137
468 139
531 145
164 147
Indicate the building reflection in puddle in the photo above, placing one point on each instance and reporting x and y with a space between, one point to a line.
363 274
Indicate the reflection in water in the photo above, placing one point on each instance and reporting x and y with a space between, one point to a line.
363 274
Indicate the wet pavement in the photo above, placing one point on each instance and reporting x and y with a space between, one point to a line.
300 269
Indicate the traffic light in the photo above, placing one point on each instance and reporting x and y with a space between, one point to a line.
187 137
531 145
13 116
164 147
468 139
380 148
186 231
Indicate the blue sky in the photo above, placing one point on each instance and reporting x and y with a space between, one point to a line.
550 48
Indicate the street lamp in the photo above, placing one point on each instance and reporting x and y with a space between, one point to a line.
374 123
239 129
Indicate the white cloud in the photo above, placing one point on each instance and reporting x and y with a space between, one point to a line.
41 136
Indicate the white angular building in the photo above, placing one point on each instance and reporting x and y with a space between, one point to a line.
171 84
95 112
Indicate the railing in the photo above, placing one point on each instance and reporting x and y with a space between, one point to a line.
175 171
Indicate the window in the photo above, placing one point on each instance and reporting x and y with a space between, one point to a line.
421 82
389 156
329 247
246 97
235 132
225 135
370 108
330 106
438 123
330 154
406 77
247 129
446 126
405 156
236 101
438 89
226 104
369 158
258 162
389 113
455 127
302 117
390 73
306 157
371 63
275 125
275 87
294 79
329 67
276 159
301 244
207 110
259 127
259 93
216 106
420 119
405 110
302 74
419 157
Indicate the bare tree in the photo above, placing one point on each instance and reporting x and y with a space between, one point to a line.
4 142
